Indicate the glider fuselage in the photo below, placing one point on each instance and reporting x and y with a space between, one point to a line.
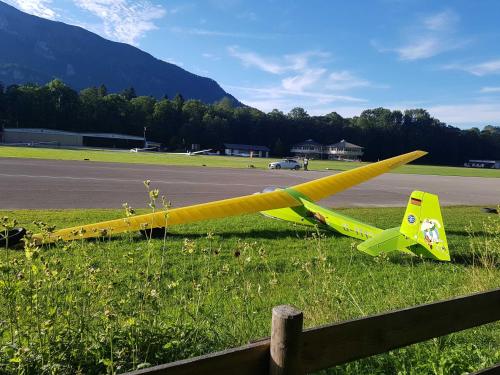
421 232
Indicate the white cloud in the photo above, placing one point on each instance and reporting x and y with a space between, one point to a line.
441 21
345 80
299 82
210 56
173 61
124 20
304 80
253 59
488 67
466 115
288 63
478 69
40 8
217 33
421 49
432 36
269 98
490 89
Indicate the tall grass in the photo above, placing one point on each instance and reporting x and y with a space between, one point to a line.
117 304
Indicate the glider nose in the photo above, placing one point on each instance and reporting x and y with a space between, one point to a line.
270 189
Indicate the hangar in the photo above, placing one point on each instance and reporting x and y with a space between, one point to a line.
52 137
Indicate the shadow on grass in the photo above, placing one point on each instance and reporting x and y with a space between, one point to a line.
473 260
466 260
269 234
464 233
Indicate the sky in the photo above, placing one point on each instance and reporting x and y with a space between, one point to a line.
324 56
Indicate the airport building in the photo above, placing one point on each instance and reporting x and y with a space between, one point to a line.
342 150
61 138
232 149
309 148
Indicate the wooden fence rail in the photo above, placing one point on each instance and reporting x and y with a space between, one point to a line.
322 347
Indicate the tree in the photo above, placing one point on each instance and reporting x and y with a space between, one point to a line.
193 111
102 90
276 114
141 112
279 148
178 123
64 104
128 93
298 113
3 105
178 102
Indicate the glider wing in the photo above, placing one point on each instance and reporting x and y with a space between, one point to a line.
326 186
291 197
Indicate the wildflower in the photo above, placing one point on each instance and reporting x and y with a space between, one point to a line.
153 194
165 203
129 211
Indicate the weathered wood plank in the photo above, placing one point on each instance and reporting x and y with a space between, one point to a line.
250 359
334 344
488 371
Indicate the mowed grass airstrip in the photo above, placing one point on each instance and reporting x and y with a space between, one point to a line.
220 161
122 303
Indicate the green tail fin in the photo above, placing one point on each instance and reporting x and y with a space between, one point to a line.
423 223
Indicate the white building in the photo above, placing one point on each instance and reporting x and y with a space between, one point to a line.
308 148
344 150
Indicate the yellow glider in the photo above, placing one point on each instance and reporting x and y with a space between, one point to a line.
312 190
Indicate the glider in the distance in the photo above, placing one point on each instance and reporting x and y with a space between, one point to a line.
421 233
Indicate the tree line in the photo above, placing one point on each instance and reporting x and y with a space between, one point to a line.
179 123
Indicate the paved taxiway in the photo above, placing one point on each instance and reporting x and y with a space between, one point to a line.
40 184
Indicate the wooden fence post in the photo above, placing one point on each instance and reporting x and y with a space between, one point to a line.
286 341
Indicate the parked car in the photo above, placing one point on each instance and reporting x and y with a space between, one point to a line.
285 164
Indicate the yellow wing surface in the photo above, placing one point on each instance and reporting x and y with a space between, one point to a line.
314 190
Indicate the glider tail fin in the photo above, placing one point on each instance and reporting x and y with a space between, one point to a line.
423 224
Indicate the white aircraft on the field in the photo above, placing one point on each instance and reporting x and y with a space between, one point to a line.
192 153
145 149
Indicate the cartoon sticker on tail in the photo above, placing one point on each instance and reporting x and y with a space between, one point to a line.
430 231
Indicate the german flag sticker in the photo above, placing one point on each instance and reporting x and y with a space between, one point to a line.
416 202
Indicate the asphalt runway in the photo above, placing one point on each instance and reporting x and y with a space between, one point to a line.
45 184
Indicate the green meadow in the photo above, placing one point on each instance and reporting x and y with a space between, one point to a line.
117 304
220 161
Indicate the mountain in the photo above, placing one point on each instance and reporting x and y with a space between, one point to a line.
36 50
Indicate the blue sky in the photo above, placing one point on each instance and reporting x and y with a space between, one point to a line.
343 56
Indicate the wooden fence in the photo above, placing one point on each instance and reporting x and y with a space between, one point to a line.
292 350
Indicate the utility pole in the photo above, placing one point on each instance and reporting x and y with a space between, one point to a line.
145 142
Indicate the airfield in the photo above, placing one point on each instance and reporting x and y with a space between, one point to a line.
58 184
219 279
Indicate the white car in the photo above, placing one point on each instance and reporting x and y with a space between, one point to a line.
285 164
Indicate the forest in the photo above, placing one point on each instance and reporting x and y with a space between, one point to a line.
179 123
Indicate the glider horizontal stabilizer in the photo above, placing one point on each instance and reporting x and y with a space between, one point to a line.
421 233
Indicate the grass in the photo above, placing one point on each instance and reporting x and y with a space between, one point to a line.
220 161
122 303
